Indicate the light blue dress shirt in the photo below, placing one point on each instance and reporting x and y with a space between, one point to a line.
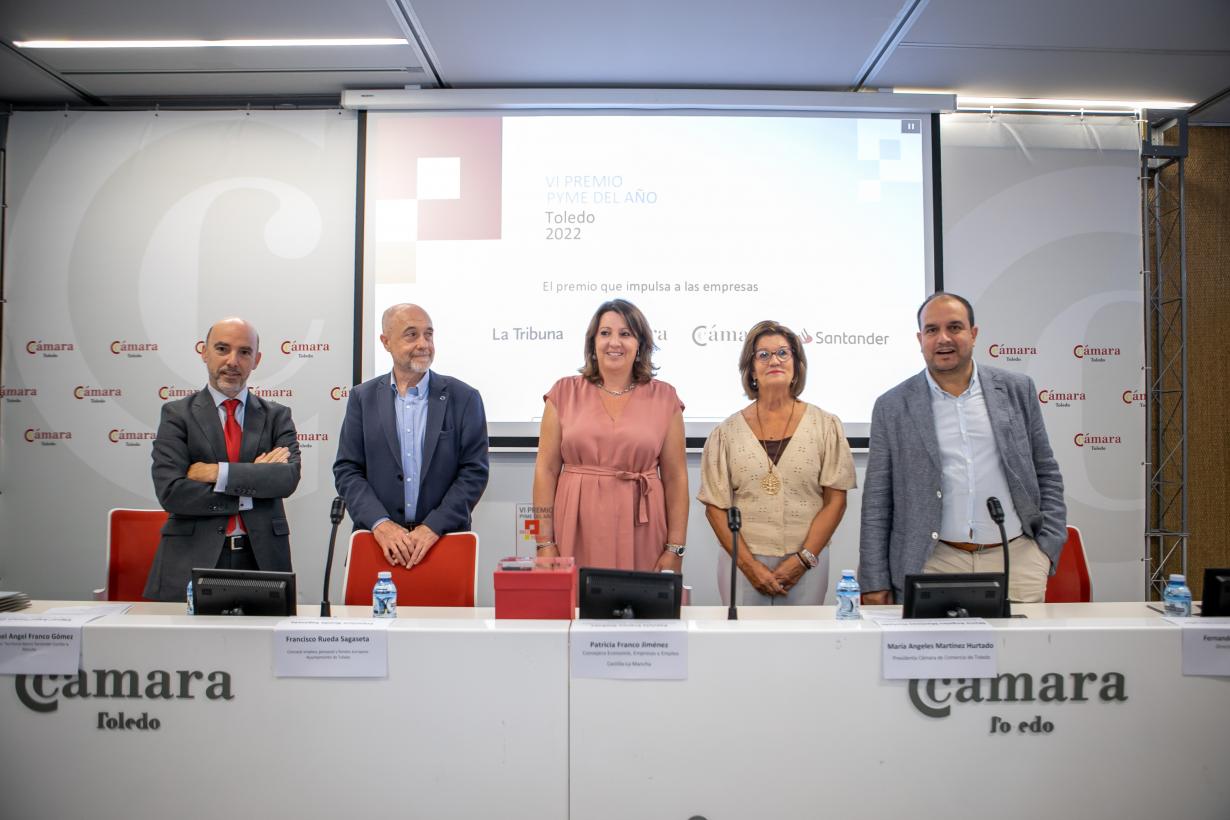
410 411
245 501
971 470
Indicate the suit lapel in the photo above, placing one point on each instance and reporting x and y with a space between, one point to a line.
918 405
437 403
999 410
206 416
253 425
386 416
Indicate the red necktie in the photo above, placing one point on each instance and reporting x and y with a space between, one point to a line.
233 434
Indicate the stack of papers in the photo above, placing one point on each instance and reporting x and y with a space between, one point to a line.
13 601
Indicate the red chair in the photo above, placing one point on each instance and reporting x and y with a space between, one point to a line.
446 577
1070 584
132 540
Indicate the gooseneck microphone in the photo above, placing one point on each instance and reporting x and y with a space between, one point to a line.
336 513
734 520
997 515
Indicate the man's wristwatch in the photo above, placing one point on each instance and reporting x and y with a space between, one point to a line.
678 549
809 560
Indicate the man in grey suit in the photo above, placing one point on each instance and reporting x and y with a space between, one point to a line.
223 461
942 442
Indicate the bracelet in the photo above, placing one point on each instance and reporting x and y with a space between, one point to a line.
806 566
677 549
542 545
809 561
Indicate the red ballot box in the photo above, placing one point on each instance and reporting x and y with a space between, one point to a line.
540 589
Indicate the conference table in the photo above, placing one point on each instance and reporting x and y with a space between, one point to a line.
785 713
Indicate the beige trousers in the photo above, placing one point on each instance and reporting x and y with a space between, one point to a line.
1028 566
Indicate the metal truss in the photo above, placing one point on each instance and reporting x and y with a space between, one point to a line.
1163 150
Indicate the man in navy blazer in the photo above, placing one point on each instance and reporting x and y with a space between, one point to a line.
412 455
941 442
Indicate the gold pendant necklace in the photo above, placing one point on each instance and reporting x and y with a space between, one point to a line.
770 482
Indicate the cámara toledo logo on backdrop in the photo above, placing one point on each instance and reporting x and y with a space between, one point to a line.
36 435
339 393
272 392
48 350
303 350
200 346
1011 353
305 439
1095 353
1136 397
14 395
1059 398
166 392
96 395
129 438
1096 441
132 350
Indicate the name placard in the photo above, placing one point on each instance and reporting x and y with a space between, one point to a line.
331 648
1206 646
948 648
629 650
46 644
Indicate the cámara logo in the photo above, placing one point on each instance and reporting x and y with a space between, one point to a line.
18 393
42 693
134 350
304 350
702 335
1058 398
272 392
165 393
935 698
1134 397
1094 354
1011 353
50 350
34 434
305 439
200 346
119 435
96 393
1097 442
339 393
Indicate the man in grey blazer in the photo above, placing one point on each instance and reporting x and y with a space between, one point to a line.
223 461
941 443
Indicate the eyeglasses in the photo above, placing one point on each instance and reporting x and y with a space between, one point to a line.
782 353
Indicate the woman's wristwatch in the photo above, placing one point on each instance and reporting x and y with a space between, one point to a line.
677 549
810 561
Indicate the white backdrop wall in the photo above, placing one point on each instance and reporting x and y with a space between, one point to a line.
129 234
1042 233
141 229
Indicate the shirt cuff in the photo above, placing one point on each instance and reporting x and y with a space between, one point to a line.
223 473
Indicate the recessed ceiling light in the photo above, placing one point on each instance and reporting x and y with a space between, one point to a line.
351 41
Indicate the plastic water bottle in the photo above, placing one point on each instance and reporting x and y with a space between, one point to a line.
384 597
191 608
1178 598
847 597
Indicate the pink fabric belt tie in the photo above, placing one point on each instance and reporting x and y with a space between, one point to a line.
642 480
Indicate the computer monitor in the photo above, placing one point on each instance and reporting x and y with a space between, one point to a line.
956 595
1216 599
616 593
242 592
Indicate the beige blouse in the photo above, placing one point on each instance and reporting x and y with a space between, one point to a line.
817 456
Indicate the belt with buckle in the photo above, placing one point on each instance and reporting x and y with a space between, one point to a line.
235 542
967 546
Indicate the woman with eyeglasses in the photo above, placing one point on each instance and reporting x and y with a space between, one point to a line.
787 466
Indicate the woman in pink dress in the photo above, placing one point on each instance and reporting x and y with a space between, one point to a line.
611 481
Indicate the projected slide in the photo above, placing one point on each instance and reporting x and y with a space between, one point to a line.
511 230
